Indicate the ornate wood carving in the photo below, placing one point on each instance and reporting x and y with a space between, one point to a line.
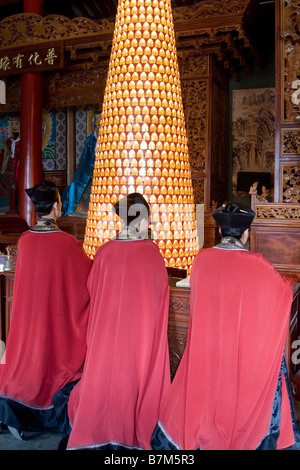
277 211
87 45
275 232
205 97
76 87
287 119
290 182
221 31
195 98
29 28
198 188
290 29
208 10
217 27
194 71
290 142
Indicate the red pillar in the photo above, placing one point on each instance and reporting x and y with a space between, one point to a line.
31 167
33 6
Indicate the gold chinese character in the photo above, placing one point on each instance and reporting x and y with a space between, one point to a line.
17 60
34 59
4 63
51 56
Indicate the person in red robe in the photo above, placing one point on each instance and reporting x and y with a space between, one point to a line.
46 345
127 372
231 390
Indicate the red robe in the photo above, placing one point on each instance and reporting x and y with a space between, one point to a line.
223 391
127 371
47 338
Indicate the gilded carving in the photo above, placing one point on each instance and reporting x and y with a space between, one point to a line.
206 10
194 94
194 66
291 19
220 113
277 211
75 87
29 28
292 67
290 174
291 48
198 189
83 78
225 42
291 142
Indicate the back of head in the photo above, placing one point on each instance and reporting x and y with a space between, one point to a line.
43 196
132 208
233 219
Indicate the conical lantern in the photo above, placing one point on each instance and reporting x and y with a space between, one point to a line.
142 144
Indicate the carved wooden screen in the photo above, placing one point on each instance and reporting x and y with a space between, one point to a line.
288 125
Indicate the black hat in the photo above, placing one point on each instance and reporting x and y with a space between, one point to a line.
43 192
122 207
233 216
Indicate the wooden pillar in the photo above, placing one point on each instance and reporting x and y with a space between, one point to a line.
33 6
31 168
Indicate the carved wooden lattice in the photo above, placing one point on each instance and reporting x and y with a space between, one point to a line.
291 50
291 142
290 184
29 28
277 211
275 230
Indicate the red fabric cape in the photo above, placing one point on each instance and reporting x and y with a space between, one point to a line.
222 394
47 338
127 369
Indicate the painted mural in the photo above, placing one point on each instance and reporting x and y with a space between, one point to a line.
253 133
54 145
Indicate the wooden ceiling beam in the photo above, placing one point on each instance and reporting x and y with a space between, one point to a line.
112 8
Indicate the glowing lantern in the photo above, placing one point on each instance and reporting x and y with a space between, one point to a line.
142 144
